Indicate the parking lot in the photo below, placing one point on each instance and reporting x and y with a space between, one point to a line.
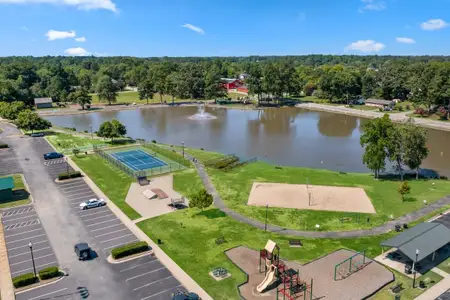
148 278
8 162
22 226
444 219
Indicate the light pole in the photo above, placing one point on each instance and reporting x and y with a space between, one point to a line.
265 224
67 165
414 268
32 258
182 145
90 126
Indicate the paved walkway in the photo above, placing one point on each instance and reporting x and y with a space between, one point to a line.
386 227
436 290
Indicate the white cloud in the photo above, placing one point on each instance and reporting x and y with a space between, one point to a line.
192 27
405 40
78 51
80 39
366 46
434 24
59 35
372 5
80 4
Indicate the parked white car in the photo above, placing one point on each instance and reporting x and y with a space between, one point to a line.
92 203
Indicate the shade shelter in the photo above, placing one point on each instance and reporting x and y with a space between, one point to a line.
6 188
420 241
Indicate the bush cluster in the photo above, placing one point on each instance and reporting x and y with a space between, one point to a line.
24 280
48 273
129 249
64 175
3 146
226 162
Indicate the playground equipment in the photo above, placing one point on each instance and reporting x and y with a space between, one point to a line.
292 287
270 256
350 265
269 279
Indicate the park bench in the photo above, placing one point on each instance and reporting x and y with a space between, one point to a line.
220 272
295 243
142 180
220 240
397 288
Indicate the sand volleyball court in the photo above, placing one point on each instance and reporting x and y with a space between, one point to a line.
315 197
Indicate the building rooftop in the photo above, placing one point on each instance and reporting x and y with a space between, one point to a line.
42 100
379 101
6 183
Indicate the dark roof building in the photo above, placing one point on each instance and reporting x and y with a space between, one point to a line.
379 102
425 237
6 187
43 102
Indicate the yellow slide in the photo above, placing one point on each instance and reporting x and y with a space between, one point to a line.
270 277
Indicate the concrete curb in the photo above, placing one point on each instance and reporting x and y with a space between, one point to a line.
177 272
119 261
42 285
6 285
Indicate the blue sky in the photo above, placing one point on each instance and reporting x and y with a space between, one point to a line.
224 28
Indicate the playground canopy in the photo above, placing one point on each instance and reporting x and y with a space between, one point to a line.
425 237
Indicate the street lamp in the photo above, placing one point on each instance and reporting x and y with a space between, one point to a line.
182 145
265 224
90 126
67 165
414 268
32 258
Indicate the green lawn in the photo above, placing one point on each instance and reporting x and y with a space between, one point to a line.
200 154
21 195
113 182
133 97
234 187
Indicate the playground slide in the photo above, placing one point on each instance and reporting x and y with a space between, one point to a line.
270 277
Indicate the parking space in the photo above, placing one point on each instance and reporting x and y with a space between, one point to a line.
444 296
444 219
148 278
8 162
22 226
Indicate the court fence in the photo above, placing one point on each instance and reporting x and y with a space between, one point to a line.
168 168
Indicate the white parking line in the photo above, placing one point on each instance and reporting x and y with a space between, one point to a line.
101 217
116 238
127 269
54 292
27 260
148 284
53 262
27 238
6 236
69 184
81 197
96 236
28 253
95 213
136 240
101 222
151 296
26 245
78 193
67 189
143 274
107 227
7 220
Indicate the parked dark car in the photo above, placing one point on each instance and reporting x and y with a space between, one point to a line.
83 251
185 296
53 155
37 134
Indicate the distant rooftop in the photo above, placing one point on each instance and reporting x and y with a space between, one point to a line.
6 183
42 100
379 101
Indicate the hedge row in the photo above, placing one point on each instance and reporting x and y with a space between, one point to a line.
2 146
24 280
172 155
223 163
48 273
63 176
129 249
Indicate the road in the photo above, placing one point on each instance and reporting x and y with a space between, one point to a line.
65 225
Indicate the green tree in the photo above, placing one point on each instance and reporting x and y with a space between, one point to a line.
29 120
106 89
75 151
146 89
404 189
213 87
111 130
201 199
375 139
415 145
395 148
254 81
81 97
11 110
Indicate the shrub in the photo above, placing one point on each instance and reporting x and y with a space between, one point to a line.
408 107
400 108
2 146
24 280
442 113
75 151
64 175
85 131
48 273
154 141
380 109
129 249
202 199
420 111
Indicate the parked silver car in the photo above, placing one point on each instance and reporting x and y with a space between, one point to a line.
92 203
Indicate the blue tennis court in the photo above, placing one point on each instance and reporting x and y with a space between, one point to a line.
138 160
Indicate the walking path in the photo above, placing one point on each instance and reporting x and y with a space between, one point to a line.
386 227
400 117
436 290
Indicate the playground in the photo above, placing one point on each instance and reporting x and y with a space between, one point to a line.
314 197
342 274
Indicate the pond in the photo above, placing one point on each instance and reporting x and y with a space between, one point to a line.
284 136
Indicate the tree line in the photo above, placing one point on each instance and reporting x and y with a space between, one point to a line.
423 80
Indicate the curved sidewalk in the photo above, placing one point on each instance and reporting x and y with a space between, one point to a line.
386 227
